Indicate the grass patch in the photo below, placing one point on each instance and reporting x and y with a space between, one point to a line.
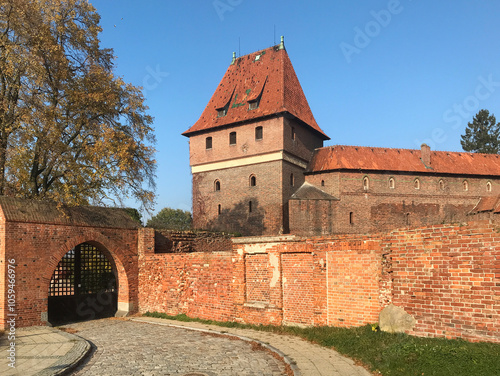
389 354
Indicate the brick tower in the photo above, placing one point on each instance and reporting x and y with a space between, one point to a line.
251 145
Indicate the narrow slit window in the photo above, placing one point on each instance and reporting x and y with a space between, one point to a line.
416 184
208 143
466 185
441 185
217 185
232 138
392 183
292 180
293 133
253 181
351 218
219 209
249 206
258 133
488 187
322 183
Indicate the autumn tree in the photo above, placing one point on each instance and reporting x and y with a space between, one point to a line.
482 135
70 130
171 219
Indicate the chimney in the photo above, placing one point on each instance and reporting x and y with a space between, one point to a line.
425 155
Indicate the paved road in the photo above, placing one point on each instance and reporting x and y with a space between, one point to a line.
136 348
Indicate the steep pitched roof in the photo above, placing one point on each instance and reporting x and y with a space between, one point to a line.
22 210
341 157
266 74
307 191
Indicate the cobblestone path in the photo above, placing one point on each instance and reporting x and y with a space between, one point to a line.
134 348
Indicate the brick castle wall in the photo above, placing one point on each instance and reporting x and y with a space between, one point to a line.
382 208
446 276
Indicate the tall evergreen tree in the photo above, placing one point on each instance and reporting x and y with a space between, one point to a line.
482 135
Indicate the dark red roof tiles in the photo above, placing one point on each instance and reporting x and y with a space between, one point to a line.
269 71
385 159
487 204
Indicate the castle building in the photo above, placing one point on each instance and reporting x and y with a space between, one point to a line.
259 166
251 146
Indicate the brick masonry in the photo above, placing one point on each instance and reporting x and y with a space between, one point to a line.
38 248
446 276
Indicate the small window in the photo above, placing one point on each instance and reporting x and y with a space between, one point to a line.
253 105
232 138
293 133
441 184
249 206
222 112
208 143
416 184
322 183
217 185
219 209
253 181
351 218
392 183
488 187
466 185
258 133
366 183
292 180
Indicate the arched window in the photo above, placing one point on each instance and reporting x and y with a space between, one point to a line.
392 183
416 183
441 184
466 185
292 180
208 143
366 183
488 187
217 186
253 181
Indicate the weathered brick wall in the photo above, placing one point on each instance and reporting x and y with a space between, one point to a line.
197 284
382 208
38 248
447 277
168 241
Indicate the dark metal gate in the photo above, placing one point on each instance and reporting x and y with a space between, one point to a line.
83 287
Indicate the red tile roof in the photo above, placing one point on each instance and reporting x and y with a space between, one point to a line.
404 160
268 72
487 204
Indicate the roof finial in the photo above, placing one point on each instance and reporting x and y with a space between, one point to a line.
282 44
234 58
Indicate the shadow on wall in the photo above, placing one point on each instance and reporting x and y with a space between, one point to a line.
245 218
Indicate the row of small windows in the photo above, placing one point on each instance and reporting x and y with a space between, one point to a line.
252 182
416 184
259 135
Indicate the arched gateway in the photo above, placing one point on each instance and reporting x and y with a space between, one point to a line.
83 286
65 263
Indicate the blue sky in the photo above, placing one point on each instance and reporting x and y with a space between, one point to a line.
375 73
